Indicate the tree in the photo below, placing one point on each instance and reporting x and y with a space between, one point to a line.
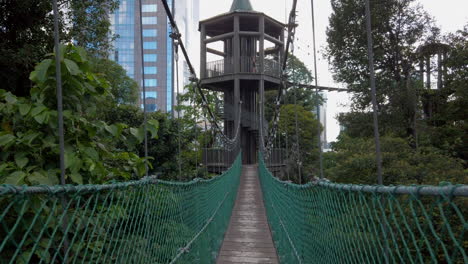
90 25
398 27
124 89
27 35
303 139
297 72
95 151
449 123
353 161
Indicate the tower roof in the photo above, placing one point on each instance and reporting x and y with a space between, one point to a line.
241 5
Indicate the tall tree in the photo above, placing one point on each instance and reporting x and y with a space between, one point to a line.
297 73
124 89
26 34
398 28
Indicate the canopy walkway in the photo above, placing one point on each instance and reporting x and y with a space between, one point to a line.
154 221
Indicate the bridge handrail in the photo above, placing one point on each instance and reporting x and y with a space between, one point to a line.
329 222
144 221
445 189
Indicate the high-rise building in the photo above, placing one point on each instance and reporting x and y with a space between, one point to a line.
187 16
323 121
156 49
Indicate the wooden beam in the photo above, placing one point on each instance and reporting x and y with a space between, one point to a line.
274 40
272 50
219 37
249 33
216 52
320 88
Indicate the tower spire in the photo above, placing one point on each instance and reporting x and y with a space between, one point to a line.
241 5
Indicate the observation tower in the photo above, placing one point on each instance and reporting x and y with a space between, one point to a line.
241 54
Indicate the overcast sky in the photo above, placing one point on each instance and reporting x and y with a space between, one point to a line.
450 15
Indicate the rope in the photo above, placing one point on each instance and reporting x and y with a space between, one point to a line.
291 33
143 85
325 222
317 90
177 36
146 221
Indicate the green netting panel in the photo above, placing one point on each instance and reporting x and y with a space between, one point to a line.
334 223
147 221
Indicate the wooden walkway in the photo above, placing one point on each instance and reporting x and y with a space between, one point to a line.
248 239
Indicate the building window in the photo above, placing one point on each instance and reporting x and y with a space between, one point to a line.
150 32
150 45
150 107
150 57
151 70
151 82
150 95
149 20
149 8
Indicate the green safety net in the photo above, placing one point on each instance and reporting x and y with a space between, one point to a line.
323 222
147 221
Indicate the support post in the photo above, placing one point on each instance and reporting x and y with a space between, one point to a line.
202 51
236 45
370 52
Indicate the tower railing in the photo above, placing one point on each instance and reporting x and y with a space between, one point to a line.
248 64
219 68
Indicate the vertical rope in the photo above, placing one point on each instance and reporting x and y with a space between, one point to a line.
317 90
370 53
296 123
58 75
179 161
145 118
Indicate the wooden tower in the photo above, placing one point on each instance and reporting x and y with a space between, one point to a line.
241 54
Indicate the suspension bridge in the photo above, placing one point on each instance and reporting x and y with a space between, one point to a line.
247 213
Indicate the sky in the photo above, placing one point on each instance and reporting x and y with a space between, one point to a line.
450 15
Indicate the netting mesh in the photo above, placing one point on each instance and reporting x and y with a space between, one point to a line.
332 223
148 221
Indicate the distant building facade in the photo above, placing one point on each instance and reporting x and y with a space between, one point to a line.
323 121
157 50
187 16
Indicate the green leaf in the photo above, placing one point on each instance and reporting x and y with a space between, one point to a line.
138 133
38 109
5 139
10 98
70 159
24 109
38 178
40 71
21 160
42 117
72 67
112 129
76 178
91 153
15 178
153 127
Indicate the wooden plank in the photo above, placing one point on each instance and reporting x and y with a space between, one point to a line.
248 239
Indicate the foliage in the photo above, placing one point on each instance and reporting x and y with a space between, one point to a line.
306 142
90 25
397 28
423 129
297 72
93 148
124 89
353 161
448 124
27 35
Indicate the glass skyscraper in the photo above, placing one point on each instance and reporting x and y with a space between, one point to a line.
157 50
